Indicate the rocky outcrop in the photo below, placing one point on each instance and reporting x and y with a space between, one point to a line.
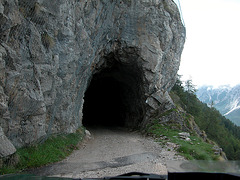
51 51
181 120
6 147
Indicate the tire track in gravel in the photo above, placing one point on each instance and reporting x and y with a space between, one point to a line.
112 152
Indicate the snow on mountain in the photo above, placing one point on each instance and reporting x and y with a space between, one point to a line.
226 99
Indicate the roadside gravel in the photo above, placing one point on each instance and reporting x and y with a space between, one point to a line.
111 152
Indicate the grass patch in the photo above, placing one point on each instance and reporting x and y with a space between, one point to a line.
168 112
194 149
52 150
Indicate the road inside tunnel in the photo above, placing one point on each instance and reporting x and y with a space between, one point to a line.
103 103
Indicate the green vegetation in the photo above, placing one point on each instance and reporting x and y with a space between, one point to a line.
194 149
52 150
217 127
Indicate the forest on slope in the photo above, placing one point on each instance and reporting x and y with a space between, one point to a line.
218 128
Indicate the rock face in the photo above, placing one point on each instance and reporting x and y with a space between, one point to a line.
52 51
6 147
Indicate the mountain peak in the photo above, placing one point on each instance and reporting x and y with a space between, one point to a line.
225 98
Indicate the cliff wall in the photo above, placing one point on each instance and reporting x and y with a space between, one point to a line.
51 51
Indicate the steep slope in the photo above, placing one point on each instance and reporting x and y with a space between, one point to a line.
224 98
216 126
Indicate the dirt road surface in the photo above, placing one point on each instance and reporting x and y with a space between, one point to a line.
112 152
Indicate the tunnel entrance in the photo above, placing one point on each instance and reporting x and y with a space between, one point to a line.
114 96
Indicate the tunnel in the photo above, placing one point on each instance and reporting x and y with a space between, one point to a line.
114 96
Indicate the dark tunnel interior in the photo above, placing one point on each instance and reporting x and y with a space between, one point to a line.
114 97
103 104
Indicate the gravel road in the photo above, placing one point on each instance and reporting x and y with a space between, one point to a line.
112 152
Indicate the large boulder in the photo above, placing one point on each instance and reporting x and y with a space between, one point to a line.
6 147
51 51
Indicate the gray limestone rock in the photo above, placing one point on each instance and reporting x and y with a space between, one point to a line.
52 51
6 147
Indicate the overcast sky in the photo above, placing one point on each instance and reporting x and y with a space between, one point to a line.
211 54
